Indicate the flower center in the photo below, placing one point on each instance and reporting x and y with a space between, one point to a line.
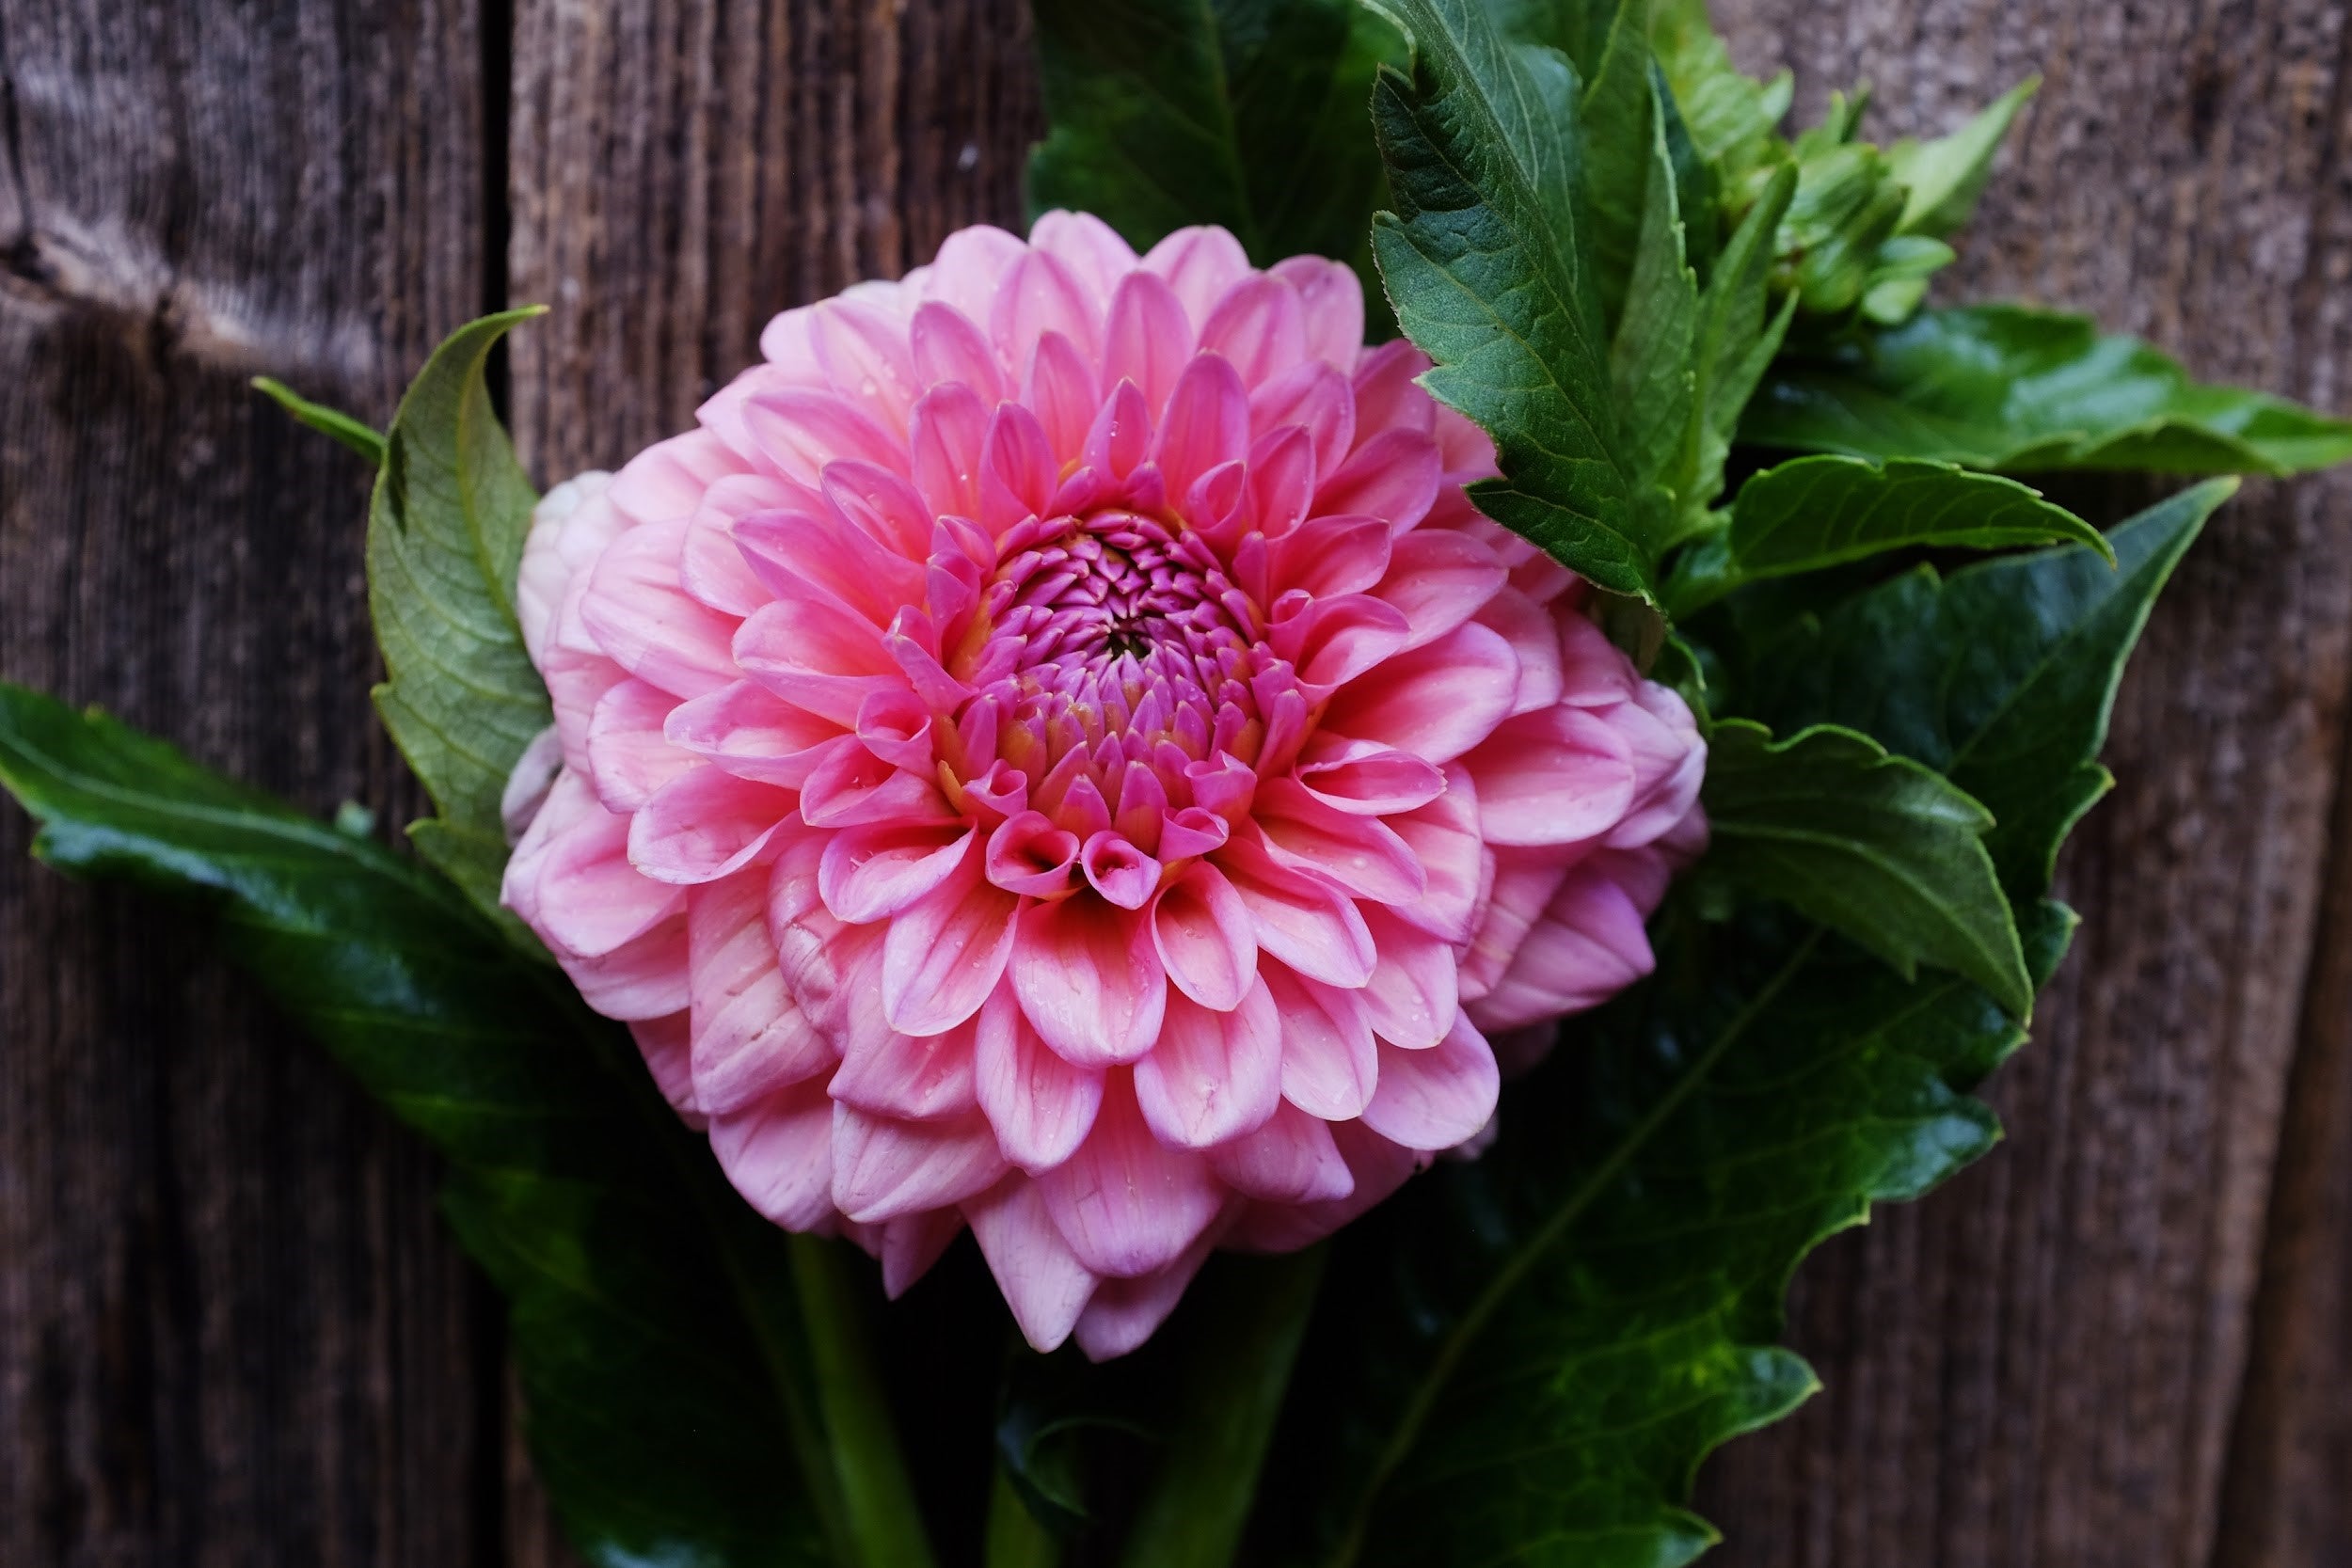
1116 641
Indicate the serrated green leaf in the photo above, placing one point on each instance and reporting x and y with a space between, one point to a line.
1523 1358
1947 175
332 422
1249 114
1814 513
675 1350
445 538
2002 676
1880 847
1650 359
2022 391
1622 152
1485 263
1739 333
1732 116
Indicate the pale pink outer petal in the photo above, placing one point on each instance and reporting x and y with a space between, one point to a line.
778 1152
1435 1099
883 1168
1090 980
1213 1076
1127 1204
1123 1313
1042 1106
1043 1281
945 953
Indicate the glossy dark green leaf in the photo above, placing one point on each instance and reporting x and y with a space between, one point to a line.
1486 264
675 1351
1814 513
1249 114
1524 1359
1881 848
2004 387
445 537
2001 677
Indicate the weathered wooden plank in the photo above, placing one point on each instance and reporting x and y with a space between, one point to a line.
231 1329
2044 1363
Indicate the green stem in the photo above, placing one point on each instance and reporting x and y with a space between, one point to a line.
883 1518
1015 1538
1193 1515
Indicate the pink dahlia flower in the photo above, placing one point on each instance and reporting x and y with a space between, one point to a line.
1056 751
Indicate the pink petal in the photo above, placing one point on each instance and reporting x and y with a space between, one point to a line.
1123 1313
1040 1274
1213 1076
1090 248
778 1152
800 430
1207 423
1331 554
882 505
971 267
1114 869
851 786
1522 884
662 1042
946 436
1444 838
1089 980
1371 780
1292 1159
1379 1166
1147 340
1313 929
1040 1105
704 825
1395 475
589 898
883 1168
1260 326
1282 481
1201 264
1126 1204
944 955
1411 998
1061 390
1315 398
1330 1063
627 751
1120 436
1040 295
1439 578
1560 776
817 655
1438 1098
1205 939
910 1077
749 1038
642 618
644 979
1335 640
1587 946
1333 301
911 1243
1533 634
873 872
1436 701
569 529
669 479
1386 397
1028 854
864 354
946 347
1357 853
832 556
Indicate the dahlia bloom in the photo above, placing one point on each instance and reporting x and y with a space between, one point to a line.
1055 751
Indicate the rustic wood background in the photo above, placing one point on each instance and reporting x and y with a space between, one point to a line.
231 1328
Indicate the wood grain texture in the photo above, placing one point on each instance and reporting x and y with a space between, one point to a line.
232 1330
2044 1365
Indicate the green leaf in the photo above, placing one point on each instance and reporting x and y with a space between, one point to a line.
1485 263
1881 848
355 434
1523 1358
1737 336
445 538
2009 388
1731 116
1814 513
671 1361
2001 677
1650 359
1624 145
1947 175
1249 114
